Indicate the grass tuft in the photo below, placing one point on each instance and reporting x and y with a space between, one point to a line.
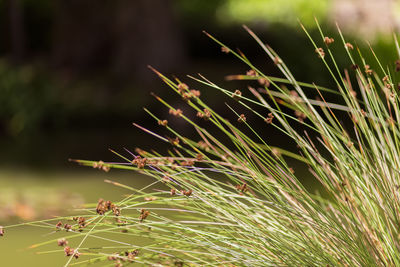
228 198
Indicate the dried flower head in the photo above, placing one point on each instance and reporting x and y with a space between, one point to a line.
139 162
177 112
68 251
225 49
1 231
277 60
328 40
301 116
143 214
182 87
62 242
320 52
67 227
116 210
269 118
242 188
173 141
242 118
195 93
349 46
163 122
368 70
199 156
264 82
172 192
187 193
237 94
58 225
187 163
131 255
251 73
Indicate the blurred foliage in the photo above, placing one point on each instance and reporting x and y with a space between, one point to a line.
28 97
284 11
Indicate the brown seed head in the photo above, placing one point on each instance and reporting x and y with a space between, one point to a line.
251 73
269 118
178 112
225 49
143 214
68 251
116 210
182 87
58 225
349 46
242 118
263 82
105 168
328 40
1 231
277 60
67 227
368 70
236 95
300 115
320 52
62 242
163 122
195 93
187 193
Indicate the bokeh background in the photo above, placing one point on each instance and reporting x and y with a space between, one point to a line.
74 76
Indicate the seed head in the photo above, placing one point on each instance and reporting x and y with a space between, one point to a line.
320 52
236 95
195 93
163 122
277 60
187 192
263 82
251 73
182 87
143 214
58 225
269 118
225 49
173 192
328 40
176 112
242 118
368 70
68 251
349 46
62 242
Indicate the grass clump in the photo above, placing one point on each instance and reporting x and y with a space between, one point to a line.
231 199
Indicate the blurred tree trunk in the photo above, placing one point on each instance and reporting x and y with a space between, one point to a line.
81 33
146 33
123 35
17 31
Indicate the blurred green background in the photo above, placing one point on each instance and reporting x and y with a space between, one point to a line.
73 78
